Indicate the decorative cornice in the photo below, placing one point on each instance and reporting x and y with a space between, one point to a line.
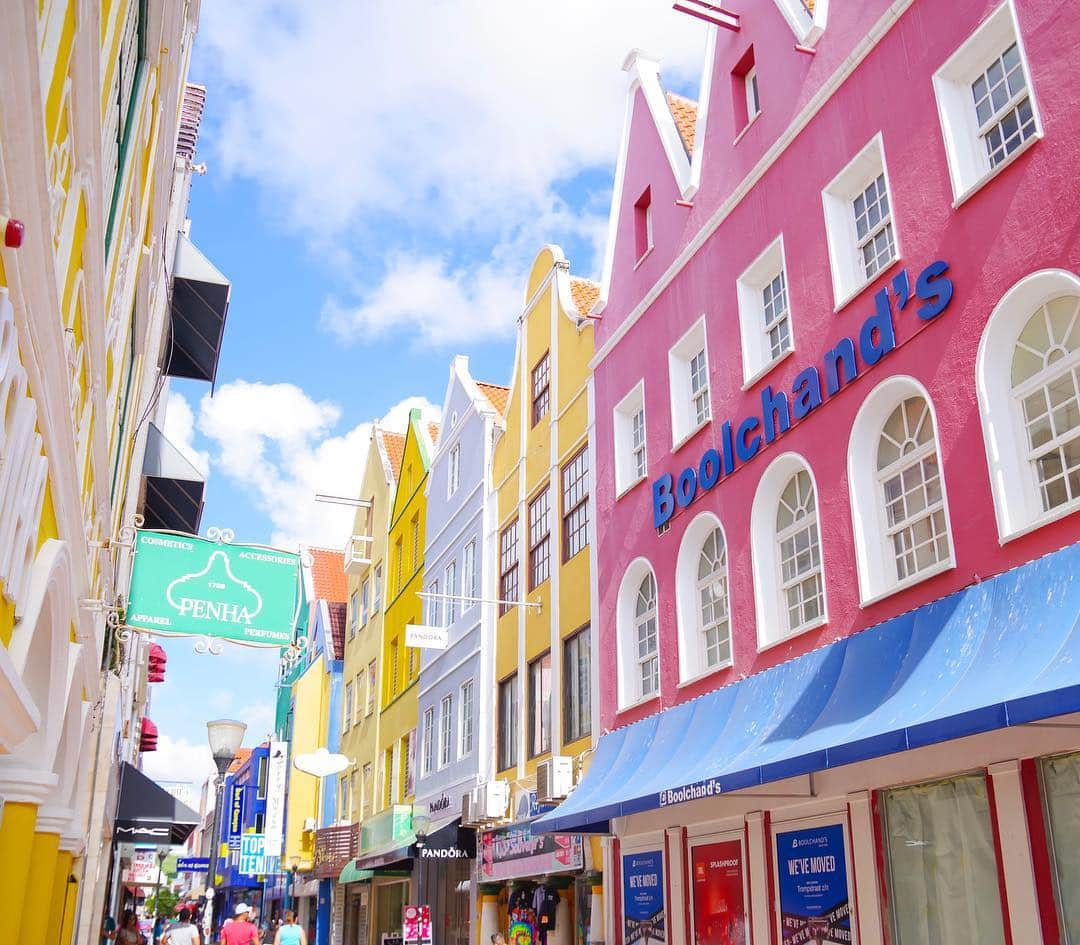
21 785
53 819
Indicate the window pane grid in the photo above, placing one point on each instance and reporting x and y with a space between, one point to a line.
712 588
1003 106
508 567
577 694
637 426
540 706
800 553
428 751
466 722
540 539
645 628
468 588
541 389
774 298
451 592
445 727
508 714
699 387
575 496
873 227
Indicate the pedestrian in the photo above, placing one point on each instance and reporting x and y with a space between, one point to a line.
182 932
108 930
129 933
290 933
240 931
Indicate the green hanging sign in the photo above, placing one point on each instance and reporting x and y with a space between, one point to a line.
188 586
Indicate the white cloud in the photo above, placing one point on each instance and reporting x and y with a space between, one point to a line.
179 429
177 759
259 717
280 446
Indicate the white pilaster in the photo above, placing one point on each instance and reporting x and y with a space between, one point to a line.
1016 859
760 879
864 869
676 870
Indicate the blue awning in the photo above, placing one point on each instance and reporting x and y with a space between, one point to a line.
1000 653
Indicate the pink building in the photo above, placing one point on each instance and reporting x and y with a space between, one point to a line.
836 406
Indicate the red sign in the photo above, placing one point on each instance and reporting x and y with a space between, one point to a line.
416 925
719 909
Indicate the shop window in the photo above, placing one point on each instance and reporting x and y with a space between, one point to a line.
446 727
540 539
688 374
631 462
639 639
540 705
508 723
988 112
1028 381
575 504
643 232
465 721
765 328
701 579
1061 789
789 581
859 223
577 686
897 492
941 866
508 567
427 749
541 388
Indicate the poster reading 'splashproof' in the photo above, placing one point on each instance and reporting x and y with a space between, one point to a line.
719 909
814 904
643 899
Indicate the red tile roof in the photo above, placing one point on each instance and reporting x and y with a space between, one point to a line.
328 575
394 444
433 431
685 112
337 628
584 292
496 394
238 762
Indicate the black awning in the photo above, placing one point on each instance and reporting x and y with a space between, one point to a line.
147 813
199 304
172 488
450 842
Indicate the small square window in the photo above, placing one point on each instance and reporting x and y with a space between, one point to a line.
764 313
631 461
986 103
688 370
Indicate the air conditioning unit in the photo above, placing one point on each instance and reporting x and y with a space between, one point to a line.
358 553
468 819
490 801
309 825
554 779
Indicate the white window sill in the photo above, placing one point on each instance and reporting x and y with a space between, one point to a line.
645 700
1045 519
687 437
970 192
645 255
858 290
746 128
629 487
704 674
947 565
754 378
792 634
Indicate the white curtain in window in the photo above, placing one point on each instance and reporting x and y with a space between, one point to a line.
1061 782
942 867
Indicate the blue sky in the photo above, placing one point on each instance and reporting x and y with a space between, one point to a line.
380 177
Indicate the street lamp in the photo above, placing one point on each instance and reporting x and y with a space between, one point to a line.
421 824
225 736
294 865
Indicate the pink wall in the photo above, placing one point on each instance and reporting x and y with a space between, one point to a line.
1022 221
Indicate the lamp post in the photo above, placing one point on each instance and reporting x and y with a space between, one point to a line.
294 865
162 856
421 824
225 736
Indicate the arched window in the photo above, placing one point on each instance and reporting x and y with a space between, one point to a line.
701 582
898 502
800 552
789 578
1045 381
638 623
1028 375
645 638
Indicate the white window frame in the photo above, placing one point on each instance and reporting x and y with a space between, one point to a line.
466 723
450 578
770 608
845 258
434 605
347 707
627 469
757 357
686 418
873 549
753 96
453 470
427 750
969 165
807 27
364 598
692 665
446 730
376 589
468 574
629 681
372 688
1017 502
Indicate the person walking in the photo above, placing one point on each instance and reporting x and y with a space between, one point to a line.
240 931
129 933
182 932
290 933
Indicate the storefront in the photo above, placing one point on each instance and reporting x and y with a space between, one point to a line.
377 883
443 868
914 783
543 888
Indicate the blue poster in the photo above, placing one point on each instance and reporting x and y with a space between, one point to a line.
236 816
814 905
643 898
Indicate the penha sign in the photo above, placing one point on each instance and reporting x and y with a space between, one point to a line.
188 586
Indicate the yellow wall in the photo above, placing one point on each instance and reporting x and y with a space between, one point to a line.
398 713
528 458
311 698
361 742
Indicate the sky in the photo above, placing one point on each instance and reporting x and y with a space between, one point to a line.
380 176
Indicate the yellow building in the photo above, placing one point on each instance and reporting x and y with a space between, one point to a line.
401 664
90 166
541 547
366 557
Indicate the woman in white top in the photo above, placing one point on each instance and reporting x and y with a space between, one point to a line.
183 932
